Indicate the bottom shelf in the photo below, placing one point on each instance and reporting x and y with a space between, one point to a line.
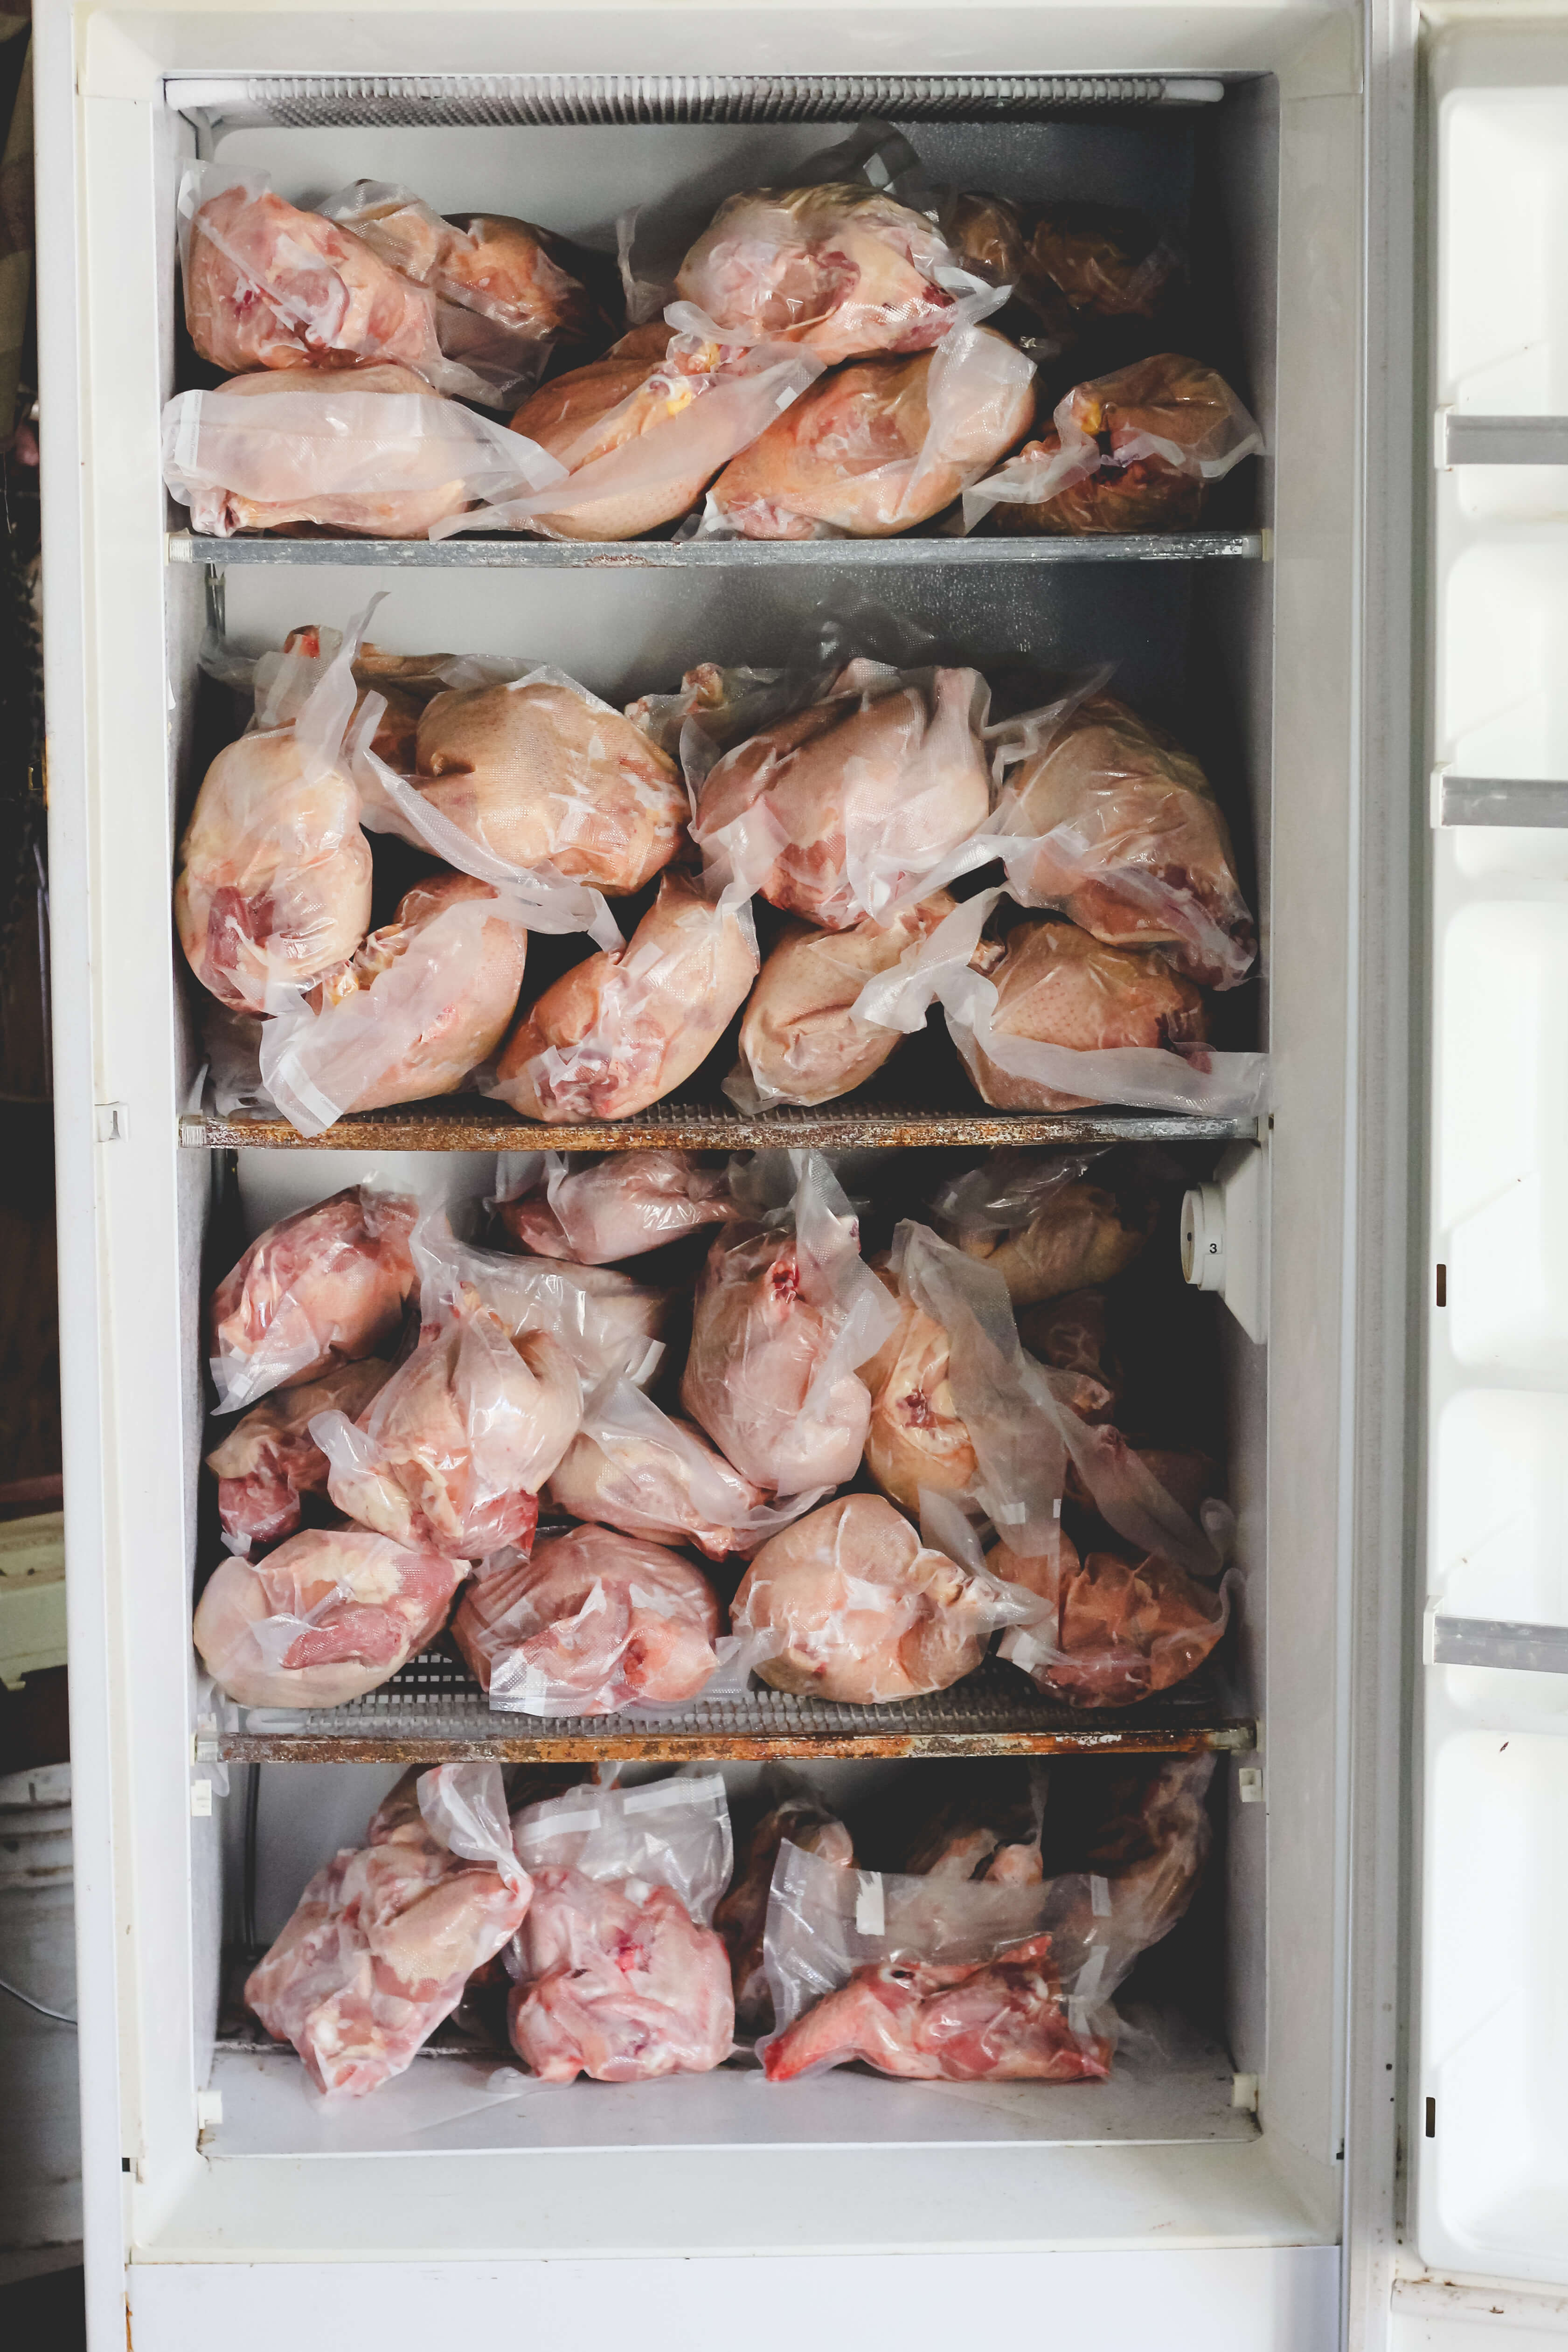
433 1712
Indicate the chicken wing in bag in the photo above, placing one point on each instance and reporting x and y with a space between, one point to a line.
609 1325
625 1028
1135 451
795 1813
850 1606
638 435
617 1207
878 446
324 1287
594 1623
801 1039
1042 1224
370 450
1106 819
274 881
270 1459
619 1974
421 1005
784 1314
632 1466
384 1938
858 805
331 1614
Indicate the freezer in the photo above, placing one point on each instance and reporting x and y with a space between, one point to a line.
1335 2116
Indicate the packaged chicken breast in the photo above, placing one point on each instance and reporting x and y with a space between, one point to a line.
332 1613
605 1210
793 1812
594 1623
620 1975
384 1938
1041 1220
784 1314
609 1325
634 1467
1135 451
326 1286
861 804
270 1459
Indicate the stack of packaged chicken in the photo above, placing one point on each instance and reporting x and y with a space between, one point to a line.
847 1478
853 354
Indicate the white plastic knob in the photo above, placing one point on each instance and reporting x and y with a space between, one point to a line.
1202 1237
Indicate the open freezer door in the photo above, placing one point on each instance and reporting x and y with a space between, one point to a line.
1488 2114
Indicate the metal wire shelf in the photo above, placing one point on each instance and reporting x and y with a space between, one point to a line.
677 554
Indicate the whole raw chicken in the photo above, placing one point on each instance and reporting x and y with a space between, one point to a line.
488 263
1055 983
999 2020
594 1622
538 772
986 234
274 883
1121 1631
631 1466
849 1605
621 1030
268 1459
422 1003
609 1325
326 1286
331 1614
1070 1334
451 1454
1178 401
875 448
799 1040
838 267
1044 1238
1126 838
268 286
618 1207
801 1819
860 796
384 1938
1101 263
916 1437
618 1982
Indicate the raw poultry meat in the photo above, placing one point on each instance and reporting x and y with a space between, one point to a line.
851 805
609 1325
987 1832
1121 1631
326 1286
916 1437
594 1622
1149 1833
617 1207
331 1614
423 1002
384 1938
1117 827
838 267
541 771
452 1453
1042 1226
1070 1334
800 1040
274 883
499 268
620 1030
1055 983
618 1983
986 234
269 286
877 447
781 1320
802 1819
585 414
724 704
632 1466
1134 451
268 1459
997 2021
849 1605
1100 263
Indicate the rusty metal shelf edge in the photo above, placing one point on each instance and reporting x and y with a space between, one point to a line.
1234 1737
573 555
200 1131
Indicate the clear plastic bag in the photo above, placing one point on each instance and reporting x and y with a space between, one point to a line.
452 1453
632 1466
794 1812
384 1938
619 1973
1174 427
860 804
326 1286
594 1624
625 1028
269 1459
1042 1225
849 1605
987 1829
1106 819
783 1317
332 1613
1118 1631
614 1208
369 449
608 1324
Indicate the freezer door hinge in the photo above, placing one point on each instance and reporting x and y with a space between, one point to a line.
110 1121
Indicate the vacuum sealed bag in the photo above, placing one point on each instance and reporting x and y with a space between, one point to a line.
605 1210
801 1039
634 1467
1042 1225
332 1613
593 1623
1118 1631
270 1459
609 1325
324 1287
796 1814
384 1938
620 1975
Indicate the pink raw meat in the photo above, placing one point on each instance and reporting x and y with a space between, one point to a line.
324 1287
617 1207
593 1623
331 1614
618 1983
270 1458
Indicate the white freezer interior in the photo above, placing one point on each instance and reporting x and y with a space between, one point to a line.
1253 660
